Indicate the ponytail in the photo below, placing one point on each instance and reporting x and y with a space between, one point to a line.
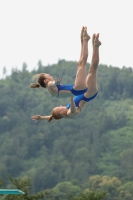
50 118
35 85
40 81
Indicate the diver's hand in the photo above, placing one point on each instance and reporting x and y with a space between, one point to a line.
58 81
36 117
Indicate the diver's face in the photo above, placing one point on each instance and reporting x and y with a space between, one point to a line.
48 78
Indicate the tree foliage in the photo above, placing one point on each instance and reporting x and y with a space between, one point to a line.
98 142
25 186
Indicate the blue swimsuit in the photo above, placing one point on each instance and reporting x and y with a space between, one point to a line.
70 88
79 98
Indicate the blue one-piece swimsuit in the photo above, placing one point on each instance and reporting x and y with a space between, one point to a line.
79 98
70 88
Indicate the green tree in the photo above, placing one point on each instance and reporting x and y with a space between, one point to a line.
25 186
92 195
63 189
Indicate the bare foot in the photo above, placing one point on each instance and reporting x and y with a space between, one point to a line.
81 35
95 40
86 37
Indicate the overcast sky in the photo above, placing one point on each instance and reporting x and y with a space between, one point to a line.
48 30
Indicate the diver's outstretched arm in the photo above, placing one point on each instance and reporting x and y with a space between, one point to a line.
39 117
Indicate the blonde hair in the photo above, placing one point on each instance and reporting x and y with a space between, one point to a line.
54 116
40 79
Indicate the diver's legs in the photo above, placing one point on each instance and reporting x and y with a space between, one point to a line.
80 80
91 79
